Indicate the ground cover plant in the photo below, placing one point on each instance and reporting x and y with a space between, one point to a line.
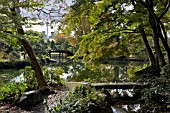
26 81
156 96
83 99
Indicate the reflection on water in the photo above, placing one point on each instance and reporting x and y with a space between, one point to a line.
19 78
7 75
78 72
126 108
117 72
132 107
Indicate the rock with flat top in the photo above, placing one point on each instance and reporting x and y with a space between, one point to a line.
30 98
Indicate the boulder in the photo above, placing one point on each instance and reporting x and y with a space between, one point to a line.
46 91
30 98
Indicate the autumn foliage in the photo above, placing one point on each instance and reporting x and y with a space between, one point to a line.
71 39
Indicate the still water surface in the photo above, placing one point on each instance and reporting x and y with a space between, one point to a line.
78 72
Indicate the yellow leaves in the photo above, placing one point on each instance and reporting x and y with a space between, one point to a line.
1 54
67 17
73 41
112 45
59 36
103 52
100 50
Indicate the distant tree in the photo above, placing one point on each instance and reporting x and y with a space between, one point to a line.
37 41
65 42
52 44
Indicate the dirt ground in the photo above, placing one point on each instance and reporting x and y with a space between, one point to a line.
44 107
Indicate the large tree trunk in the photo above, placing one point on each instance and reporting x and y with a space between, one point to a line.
164 39
148 49
35 65
154 23
158 50
154 26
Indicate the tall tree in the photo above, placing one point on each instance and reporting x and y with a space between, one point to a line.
149 50
11 27
11 11
114 24
157 25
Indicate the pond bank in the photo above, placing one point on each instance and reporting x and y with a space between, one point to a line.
43 107
48 103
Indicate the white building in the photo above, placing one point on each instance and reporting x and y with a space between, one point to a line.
47 29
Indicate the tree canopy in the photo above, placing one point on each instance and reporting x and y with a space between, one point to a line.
116 28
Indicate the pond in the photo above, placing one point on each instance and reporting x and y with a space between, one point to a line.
117 71
94 72
7 75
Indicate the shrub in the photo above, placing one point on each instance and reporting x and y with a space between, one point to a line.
11 90
147 74
28 77
52 75
83 100
158 92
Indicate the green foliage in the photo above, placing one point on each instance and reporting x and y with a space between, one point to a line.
11 90
13 55
83 100
9 23
104 71
111 27
52 75
34 36
108 32
64 43
131 70
157 92
8 51
39 44
147 74
7 74
28 77
91 74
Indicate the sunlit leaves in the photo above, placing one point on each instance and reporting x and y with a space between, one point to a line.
106 21
109 20
33 36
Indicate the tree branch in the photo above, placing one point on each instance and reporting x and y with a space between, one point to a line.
163 30
165 10
148 6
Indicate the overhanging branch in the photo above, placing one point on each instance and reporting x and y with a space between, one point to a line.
165 10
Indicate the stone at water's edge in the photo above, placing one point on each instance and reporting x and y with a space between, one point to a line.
30 98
